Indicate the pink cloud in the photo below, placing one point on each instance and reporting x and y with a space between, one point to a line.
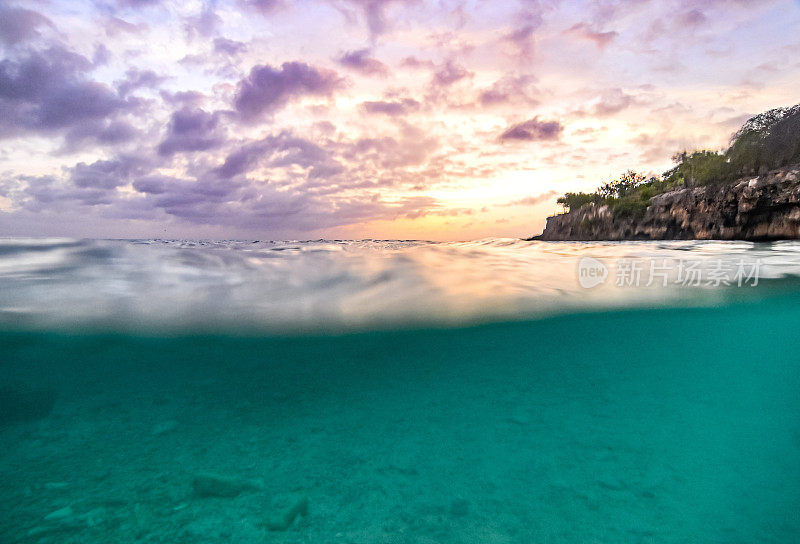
584 31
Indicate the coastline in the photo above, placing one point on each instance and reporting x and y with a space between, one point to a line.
753 208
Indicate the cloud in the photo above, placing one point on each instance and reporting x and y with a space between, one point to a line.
155 184
533 200
658 146
264 7
138 3
509 90
115 26
412 147
98 132
368 117
361 62
229 47
48 91
450 73
19 25
526 22
735 122
193 99
191 129
533 130
391 108
53 194
205 24
374 13
137 79
586 32
255 205
278 151
414 62
694 17
613 101
107 174
266 88
522 38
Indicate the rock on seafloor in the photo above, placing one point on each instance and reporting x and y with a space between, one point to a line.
215 485
163 427
283 521
17 406
61 513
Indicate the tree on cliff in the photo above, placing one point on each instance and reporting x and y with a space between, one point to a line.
698 168
629 188
768 140
626 183
573 201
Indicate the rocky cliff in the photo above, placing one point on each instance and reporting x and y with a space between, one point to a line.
756 208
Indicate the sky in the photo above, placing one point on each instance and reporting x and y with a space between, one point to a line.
402 119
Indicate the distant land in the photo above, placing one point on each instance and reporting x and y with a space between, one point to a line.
751 191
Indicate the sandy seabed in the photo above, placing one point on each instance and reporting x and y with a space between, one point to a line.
593 428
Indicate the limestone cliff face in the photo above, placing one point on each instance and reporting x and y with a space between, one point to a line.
756 208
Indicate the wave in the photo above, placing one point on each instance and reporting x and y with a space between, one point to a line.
299 285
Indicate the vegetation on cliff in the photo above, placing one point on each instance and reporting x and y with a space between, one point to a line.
767 141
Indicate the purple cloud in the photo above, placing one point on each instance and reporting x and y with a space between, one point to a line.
613 101
191 130
392 108
534 130
192 99
229 47
693 17
450 73
416 63
107 174
266 88
522 39
49 90
114 26
205 24
586 32
413 147
138 3
361 62
19 25
137 79
374 12
102 133
155 185
278 151
509 90
264 7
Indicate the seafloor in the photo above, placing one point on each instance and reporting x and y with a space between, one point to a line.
670 426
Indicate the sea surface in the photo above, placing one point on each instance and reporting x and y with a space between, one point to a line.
494 391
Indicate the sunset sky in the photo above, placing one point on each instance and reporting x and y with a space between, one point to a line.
442 120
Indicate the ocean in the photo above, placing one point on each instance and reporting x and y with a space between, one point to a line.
494 391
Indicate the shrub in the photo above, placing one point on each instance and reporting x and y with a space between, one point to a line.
573 201
699 168
632 206
768 140
626 183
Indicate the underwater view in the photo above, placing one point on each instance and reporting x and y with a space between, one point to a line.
399 272
399 392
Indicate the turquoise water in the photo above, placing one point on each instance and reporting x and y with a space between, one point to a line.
409 392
